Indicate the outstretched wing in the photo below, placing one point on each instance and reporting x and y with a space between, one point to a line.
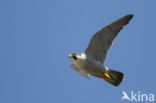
102 40
80 71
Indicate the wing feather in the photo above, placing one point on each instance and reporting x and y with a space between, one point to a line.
80 71
102 40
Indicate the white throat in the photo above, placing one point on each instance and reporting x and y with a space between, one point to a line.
82 56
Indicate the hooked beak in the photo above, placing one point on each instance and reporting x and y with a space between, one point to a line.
70 56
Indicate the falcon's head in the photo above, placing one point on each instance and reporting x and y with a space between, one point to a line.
75 56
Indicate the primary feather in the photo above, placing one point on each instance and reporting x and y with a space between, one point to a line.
102 40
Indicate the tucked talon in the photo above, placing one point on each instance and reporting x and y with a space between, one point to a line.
106 75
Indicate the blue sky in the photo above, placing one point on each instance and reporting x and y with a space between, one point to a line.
37 36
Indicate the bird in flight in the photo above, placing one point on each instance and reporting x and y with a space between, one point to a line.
91 61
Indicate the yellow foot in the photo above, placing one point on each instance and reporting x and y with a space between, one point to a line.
106 75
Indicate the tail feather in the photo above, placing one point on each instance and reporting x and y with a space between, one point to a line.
116 77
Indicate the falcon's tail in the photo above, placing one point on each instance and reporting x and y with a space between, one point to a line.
114 77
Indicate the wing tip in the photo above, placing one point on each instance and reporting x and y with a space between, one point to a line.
129 16
126 19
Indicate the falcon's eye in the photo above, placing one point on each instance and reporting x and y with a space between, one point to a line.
75 57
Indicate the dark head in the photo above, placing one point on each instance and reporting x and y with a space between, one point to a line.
73 56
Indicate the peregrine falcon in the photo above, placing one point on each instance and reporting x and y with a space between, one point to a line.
91 61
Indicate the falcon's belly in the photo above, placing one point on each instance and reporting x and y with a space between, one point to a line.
91 67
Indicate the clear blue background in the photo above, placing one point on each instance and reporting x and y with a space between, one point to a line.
36 37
